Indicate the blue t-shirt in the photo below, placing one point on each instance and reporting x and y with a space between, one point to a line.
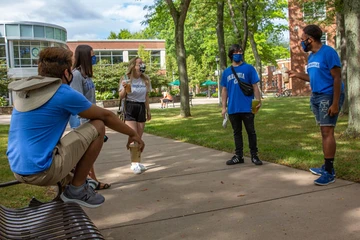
319 66
237 101
33 135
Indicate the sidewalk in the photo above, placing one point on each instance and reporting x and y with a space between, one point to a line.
189 193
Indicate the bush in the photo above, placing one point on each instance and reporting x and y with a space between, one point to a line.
106 95
200 95
175 92
155 94
214 95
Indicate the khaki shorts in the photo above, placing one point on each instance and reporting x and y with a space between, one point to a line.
66 155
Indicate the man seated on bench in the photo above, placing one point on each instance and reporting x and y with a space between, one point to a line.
167 98
38 153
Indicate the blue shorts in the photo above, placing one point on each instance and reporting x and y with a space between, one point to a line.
320 104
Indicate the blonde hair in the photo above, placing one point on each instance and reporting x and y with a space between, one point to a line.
131 70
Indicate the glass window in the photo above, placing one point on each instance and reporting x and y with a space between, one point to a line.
2 51
63 35
25 62
57 34
105 60
49 32
132 54
25 51
105 53
39 32
324 39
44 44
2 32
26 31
2 40
117 59
12 30
314 10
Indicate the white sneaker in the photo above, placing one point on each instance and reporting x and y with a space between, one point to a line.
136 168
224 124
142 167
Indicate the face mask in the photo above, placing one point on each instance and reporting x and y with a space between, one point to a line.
93 60
142 68
237 57
305 46
67 80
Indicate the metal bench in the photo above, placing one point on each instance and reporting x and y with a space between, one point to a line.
51 220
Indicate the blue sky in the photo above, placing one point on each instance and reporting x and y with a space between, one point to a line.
83 19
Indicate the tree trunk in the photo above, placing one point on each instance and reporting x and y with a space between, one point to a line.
341 47
242 40
258 65
179 21
221 42
352 20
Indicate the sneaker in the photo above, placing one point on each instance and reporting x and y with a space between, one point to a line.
235 160
136 168
319 171
325 179
87 197
142 167
225 121
255 160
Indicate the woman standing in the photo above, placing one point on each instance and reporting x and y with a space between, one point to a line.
82 82
135 87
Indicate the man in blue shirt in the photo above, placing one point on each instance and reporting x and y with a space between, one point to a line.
38 153
324 75
239 105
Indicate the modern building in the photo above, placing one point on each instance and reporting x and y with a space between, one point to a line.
21 42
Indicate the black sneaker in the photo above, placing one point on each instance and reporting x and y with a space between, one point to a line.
255 160
235 160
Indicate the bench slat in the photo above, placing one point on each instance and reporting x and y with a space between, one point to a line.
53 220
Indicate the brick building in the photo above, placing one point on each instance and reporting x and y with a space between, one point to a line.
301 15
116 51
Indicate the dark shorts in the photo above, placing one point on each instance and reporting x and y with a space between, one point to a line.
320 104
165 100
135 111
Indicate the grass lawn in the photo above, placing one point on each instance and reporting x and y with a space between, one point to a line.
285 127
286 130
18 195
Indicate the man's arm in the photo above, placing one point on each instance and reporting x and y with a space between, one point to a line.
302 76
224 96
336 74
112 121
257 94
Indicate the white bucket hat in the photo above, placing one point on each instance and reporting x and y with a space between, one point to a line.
33 92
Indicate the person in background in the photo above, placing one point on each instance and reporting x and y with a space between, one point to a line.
238 105
324 75
82 82
38 151
137 109
167 98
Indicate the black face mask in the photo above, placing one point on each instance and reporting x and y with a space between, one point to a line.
71 78
142 67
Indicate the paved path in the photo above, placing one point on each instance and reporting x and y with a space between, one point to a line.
189 193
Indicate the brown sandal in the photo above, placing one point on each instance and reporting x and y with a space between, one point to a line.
102 186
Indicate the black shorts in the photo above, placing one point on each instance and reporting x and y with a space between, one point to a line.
165 100
135 111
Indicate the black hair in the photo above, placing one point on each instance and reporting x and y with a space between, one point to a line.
313 31
234 48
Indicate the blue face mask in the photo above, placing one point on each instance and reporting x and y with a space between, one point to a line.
305 45
93 60
237 57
